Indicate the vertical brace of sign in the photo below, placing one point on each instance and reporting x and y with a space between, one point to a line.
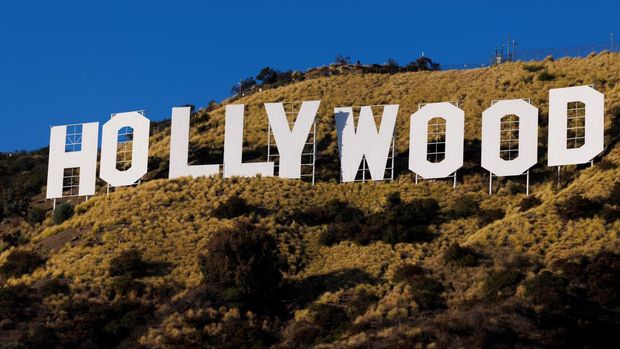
498 155
436 142
233 147
179 148
110 142
365 145
293 126
454 141
72 157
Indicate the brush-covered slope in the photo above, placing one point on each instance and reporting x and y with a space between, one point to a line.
389 265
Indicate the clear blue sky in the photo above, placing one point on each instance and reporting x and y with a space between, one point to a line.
76 61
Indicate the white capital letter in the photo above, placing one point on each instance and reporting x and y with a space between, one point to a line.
366 141
527 139
594 102
179 144
63 155
233 147
454 140
139 151
291 143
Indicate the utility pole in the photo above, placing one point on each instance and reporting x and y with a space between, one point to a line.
611 46
508 47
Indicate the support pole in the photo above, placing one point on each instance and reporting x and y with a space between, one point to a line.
364 170
454 183
527 183
393 155
490 183
313 151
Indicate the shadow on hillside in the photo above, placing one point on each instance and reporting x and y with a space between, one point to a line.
306 290
157 268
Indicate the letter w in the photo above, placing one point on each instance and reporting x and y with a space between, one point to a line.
365 142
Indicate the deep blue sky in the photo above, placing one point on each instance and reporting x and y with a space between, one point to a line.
76 61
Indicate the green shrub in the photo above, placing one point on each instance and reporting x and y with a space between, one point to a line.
231 208
426 290
328 316
533 68
15 302
545 289
128 263
501 283
529 202
36 215
334 211
462 256
464 207
361 300
546 76
490 215
242 264
20 262
398 222
62 212
577 206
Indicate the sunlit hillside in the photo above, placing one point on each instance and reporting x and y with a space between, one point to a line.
390 265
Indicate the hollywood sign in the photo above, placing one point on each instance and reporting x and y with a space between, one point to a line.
356 143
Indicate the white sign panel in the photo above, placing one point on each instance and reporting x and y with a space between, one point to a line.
139 151
559 154
491 137
179 148
418 133
60 159
291 142
365 141
233 148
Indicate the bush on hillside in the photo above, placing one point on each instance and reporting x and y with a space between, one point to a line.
426 290
462 256
16 302
334 211
546 289
529 202
36 215
233 207
128 263
578 206
465 206
20 262
399 221
62 212
501 283
242 264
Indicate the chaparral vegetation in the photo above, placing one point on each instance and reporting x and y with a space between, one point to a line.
267 262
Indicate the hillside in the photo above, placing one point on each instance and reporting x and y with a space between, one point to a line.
392 265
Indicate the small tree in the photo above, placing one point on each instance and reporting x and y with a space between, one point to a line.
20 262
62 212
129 263
242 264
392 66
243 86
36 215
268 75
342 60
